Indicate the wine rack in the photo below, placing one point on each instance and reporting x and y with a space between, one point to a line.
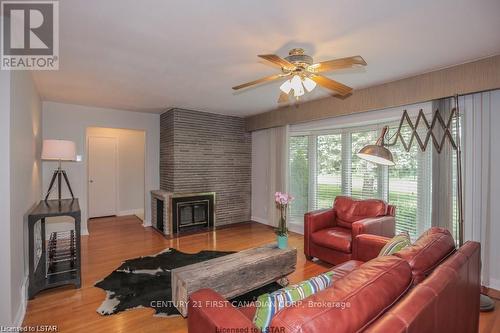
61 254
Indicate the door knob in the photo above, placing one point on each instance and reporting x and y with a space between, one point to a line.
91 181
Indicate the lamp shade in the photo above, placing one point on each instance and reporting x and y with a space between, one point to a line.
309 84
62 150
286 87
376 154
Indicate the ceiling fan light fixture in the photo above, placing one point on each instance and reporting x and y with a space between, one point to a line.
298 88
296 82
299 91
305 74
308 84
286 87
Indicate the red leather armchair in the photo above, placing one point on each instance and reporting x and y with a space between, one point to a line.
330 234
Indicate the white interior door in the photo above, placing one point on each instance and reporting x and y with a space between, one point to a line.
102 182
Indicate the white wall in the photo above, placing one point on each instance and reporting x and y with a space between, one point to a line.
70 122
260 186
5 278
25 176
20 127
130 167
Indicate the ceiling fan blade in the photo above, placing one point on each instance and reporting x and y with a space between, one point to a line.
264 79
278 61
331 84
342 63
284 98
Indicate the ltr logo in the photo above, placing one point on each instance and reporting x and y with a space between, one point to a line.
30 35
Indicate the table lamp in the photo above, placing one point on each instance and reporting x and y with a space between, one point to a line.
59 150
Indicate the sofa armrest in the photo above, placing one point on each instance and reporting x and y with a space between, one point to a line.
366 247
208 311
381 226
314 221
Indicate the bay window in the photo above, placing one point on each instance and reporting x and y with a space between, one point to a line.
324 165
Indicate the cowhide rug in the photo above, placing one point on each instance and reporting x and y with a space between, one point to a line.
145 282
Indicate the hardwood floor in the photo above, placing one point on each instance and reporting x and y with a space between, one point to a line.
115 239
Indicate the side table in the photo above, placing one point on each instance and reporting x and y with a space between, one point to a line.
55 262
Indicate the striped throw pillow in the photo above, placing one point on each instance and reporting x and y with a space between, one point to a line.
269 304
396 244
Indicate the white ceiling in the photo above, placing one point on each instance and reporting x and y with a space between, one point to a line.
151 55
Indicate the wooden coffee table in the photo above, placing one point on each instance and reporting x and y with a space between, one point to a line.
232 275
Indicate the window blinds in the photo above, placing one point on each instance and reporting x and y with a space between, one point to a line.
365 177
299 176
410 182
323 166
328 170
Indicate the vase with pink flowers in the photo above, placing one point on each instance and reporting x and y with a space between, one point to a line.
282 200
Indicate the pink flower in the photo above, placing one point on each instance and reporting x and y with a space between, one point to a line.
283 199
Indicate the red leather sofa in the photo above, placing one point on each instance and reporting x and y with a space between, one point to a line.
429 287
330 234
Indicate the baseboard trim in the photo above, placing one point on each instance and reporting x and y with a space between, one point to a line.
297 228
494 284
259 219
139 212
493 293
21 311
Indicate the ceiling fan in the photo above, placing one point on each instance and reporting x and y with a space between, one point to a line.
305 74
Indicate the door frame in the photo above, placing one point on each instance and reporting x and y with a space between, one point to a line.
116 171
147 174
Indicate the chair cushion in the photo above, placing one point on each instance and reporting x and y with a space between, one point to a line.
336 238
349 210
434 246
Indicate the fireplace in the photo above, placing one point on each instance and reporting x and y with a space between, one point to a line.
193 211
161 210
160 206
175 213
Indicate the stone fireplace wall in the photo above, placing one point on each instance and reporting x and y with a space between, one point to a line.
206 152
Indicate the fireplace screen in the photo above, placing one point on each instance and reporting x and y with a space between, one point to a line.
200 212
192 213
185 215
